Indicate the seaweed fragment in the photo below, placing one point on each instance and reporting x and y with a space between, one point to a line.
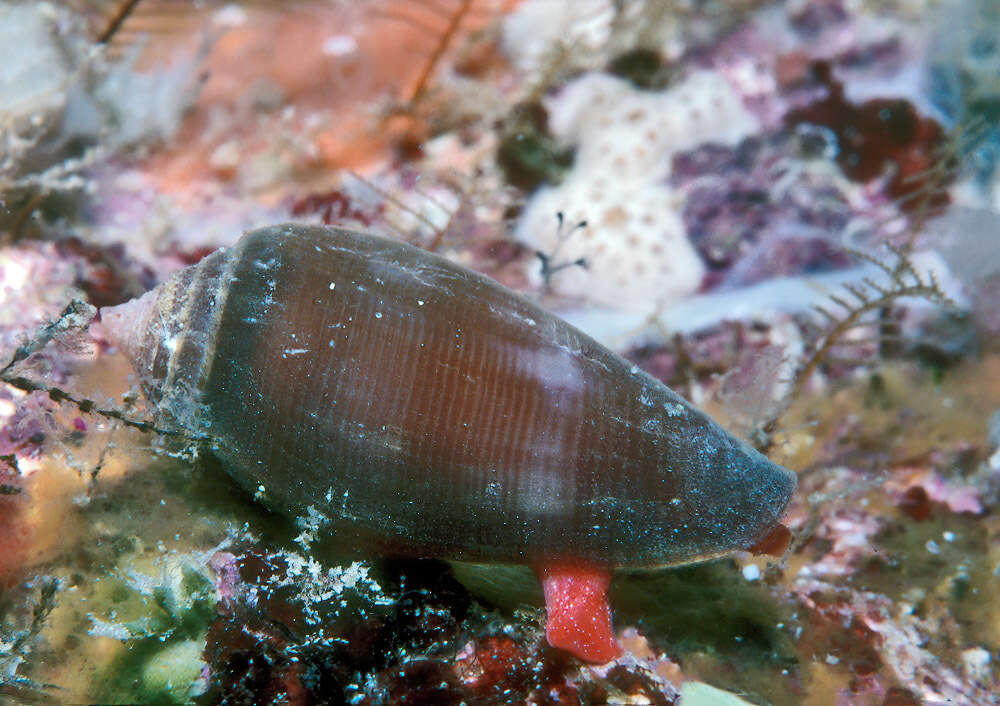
117 20
550 265
122 26
448 16
925 191
444 23
433 211
847 309
389 199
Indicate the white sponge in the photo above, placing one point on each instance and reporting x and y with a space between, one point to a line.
636 133
637 251
638 254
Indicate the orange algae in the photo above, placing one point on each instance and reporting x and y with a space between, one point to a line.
333 64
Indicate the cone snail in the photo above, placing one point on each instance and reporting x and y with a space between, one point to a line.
426 410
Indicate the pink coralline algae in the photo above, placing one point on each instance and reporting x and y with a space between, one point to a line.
910 484
751 217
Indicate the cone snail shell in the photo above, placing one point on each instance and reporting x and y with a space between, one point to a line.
427 410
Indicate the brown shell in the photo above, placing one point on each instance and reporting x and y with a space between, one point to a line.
428 410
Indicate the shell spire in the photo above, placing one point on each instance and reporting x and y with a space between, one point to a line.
126 324
168 333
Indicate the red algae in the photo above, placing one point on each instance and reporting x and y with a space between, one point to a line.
428 643
880 138
333 206
107 275
915 503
